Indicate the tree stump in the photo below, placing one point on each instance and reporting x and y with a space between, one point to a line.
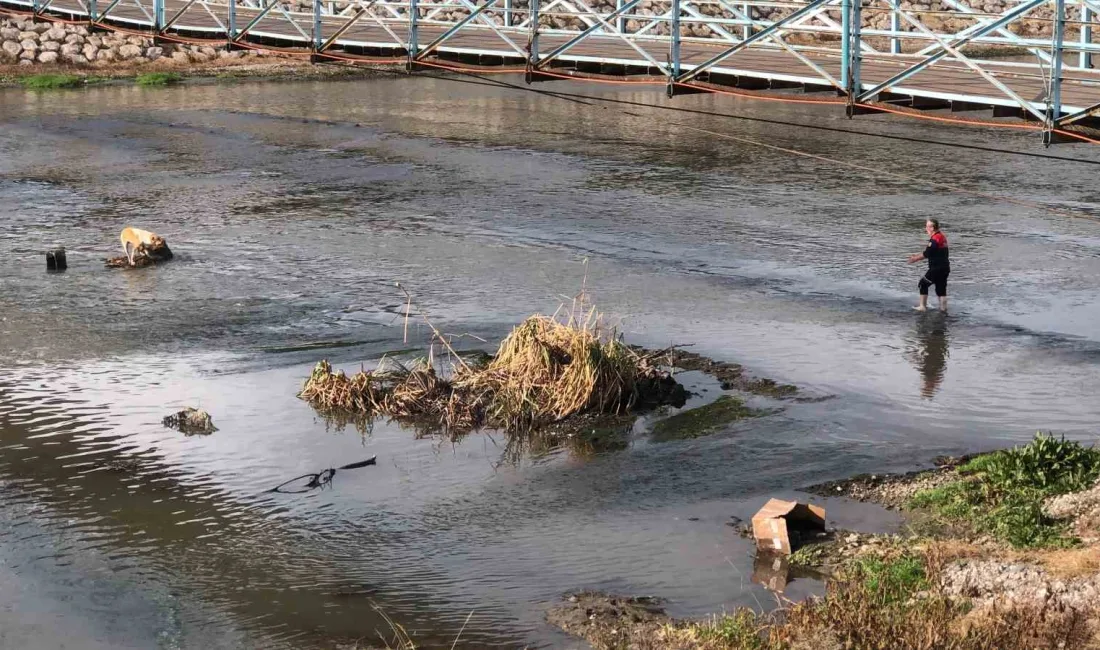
55 260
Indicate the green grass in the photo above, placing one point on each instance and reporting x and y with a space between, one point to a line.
157 79
51 81
740 629
1002 493
893 581
704 420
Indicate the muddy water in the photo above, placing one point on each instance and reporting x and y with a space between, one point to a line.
293 210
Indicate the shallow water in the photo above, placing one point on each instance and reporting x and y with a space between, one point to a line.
294 208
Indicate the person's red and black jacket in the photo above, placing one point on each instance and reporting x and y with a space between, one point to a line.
936 253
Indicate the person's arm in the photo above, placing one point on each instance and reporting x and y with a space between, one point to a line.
916 257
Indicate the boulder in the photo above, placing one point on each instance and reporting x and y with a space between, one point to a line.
9 34
51 46
129 51
69 50
106 55
29 46
136 40
41 28
199 57
94 41
28 55
90 52
79 59
181 56
209 52
55 34
154 53
47 57
28 36
81 30
12 48
76 39
24 61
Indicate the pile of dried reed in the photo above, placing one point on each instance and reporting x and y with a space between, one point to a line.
548 369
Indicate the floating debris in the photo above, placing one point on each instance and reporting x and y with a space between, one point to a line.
191 422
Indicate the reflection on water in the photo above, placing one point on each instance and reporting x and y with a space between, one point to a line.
928 350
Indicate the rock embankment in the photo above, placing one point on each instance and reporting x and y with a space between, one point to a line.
27 42
937 15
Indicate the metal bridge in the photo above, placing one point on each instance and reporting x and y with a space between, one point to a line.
1029 64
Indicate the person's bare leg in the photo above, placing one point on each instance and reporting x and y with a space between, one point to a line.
923 306
943 304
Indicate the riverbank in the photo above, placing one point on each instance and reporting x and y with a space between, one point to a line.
31 50
1001 550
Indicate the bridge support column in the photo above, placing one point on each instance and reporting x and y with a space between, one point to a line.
317 36
895 26
158 15
845 43
1054 97
507 13
532 41
1086 35
620 22
746 30
92 13
413 46
674 48
231 22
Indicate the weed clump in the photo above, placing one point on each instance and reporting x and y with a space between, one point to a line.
547 370
1002 493
51 81
157 79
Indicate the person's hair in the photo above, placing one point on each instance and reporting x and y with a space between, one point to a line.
935 223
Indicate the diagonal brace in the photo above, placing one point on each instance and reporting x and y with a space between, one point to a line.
758 36
177 15
457 26
1091 111
1005 18
362 11
103 14
561 49
252 23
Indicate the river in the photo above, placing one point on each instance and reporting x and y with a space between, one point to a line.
294 209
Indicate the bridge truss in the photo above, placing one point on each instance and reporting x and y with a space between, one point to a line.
1033 60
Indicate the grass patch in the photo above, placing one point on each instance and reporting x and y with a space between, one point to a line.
1002 493
51 81
895 580
704 420
157 79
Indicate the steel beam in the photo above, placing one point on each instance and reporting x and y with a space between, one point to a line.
103 16
944 47
1091 111
895 27
362 11
454 29
158 11
559 50
758 36
1085 57
1054 96
674 45
260 16
231 31
845 45
317 35
414 32
855 49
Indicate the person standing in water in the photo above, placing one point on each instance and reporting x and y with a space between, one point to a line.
938 266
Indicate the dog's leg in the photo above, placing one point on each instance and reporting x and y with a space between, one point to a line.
128 247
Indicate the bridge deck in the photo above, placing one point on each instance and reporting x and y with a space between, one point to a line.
945 80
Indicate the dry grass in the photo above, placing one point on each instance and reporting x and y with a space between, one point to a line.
548 369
